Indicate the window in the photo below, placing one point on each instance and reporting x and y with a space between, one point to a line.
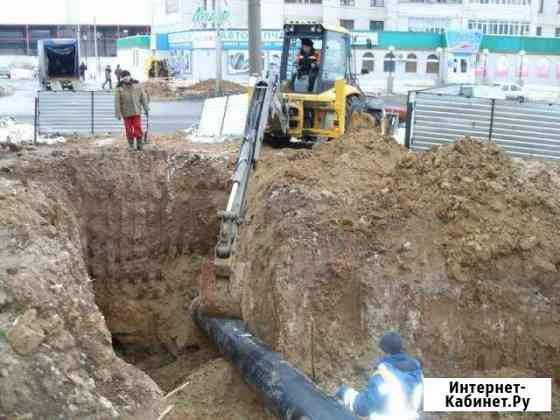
539 31
347 24
347 3
376 3
171 6
389 63
557 32
304 1
368 63
432 64
499 27
433 1
437 25
293 49
504 2
334 61
376 25
411 65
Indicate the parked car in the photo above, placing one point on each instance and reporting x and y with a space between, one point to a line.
513 91
5 71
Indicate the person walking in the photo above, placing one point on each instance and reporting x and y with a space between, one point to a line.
83 69
118 72
130 99
108 73
394 390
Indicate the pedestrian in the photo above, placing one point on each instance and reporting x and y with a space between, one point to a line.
83 69
108 73
396 385
130 99
118 72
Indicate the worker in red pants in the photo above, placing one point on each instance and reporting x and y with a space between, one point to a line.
130 99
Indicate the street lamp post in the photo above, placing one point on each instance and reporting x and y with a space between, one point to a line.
439 52
390 78
521 57
485 52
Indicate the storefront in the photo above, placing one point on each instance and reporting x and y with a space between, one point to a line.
422 57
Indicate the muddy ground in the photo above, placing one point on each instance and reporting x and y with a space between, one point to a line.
102 249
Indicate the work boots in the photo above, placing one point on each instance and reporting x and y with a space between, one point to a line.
135 144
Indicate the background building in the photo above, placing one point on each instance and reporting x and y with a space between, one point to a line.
493 17
26 21
515 47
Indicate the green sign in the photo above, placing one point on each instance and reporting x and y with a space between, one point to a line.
201 16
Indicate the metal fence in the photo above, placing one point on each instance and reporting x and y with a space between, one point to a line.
78 112
523 129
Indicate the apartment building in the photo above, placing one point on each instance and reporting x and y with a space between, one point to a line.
492 17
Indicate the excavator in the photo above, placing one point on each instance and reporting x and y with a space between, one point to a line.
306 102
314 97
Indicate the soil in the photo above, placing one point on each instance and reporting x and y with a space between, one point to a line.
166 89
99 256
206 89
456 248
159 90
101 252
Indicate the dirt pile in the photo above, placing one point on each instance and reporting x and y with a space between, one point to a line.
159 90
456 248
206 89
101 249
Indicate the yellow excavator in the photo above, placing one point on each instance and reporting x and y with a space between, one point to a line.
314 96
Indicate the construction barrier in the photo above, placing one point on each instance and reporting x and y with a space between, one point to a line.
76 112
444 115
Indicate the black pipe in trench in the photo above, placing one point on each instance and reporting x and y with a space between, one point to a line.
285 391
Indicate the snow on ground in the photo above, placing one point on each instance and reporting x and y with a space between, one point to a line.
14 132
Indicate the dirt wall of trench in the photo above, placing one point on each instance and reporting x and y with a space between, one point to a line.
100 252
456 248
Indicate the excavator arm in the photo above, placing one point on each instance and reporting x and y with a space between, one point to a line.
265 102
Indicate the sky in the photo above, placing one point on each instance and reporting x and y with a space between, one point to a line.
61 11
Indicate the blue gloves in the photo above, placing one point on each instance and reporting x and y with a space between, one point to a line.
340 391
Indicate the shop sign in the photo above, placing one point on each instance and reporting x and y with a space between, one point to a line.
365 39
463 42
202 16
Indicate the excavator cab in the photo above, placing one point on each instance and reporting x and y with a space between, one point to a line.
313 58
317 89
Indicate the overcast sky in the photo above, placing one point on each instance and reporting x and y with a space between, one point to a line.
61 11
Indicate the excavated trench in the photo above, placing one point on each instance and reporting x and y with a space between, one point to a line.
147 225
146 222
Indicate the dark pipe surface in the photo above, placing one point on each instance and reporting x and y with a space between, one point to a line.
286 391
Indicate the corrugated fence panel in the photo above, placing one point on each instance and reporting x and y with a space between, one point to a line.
65 112
104 113
69 112
442 119
526 129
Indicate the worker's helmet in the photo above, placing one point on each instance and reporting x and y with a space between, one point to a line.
307 42
391 342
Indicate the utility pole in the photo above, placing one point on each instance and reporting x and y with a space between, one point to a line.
97 62
255 55
219 48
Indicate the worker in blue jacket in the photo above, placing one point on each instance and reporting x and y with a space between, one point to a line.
395 388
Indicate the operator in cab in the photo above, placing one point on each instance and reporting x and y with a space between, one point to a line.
307 64
395 389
